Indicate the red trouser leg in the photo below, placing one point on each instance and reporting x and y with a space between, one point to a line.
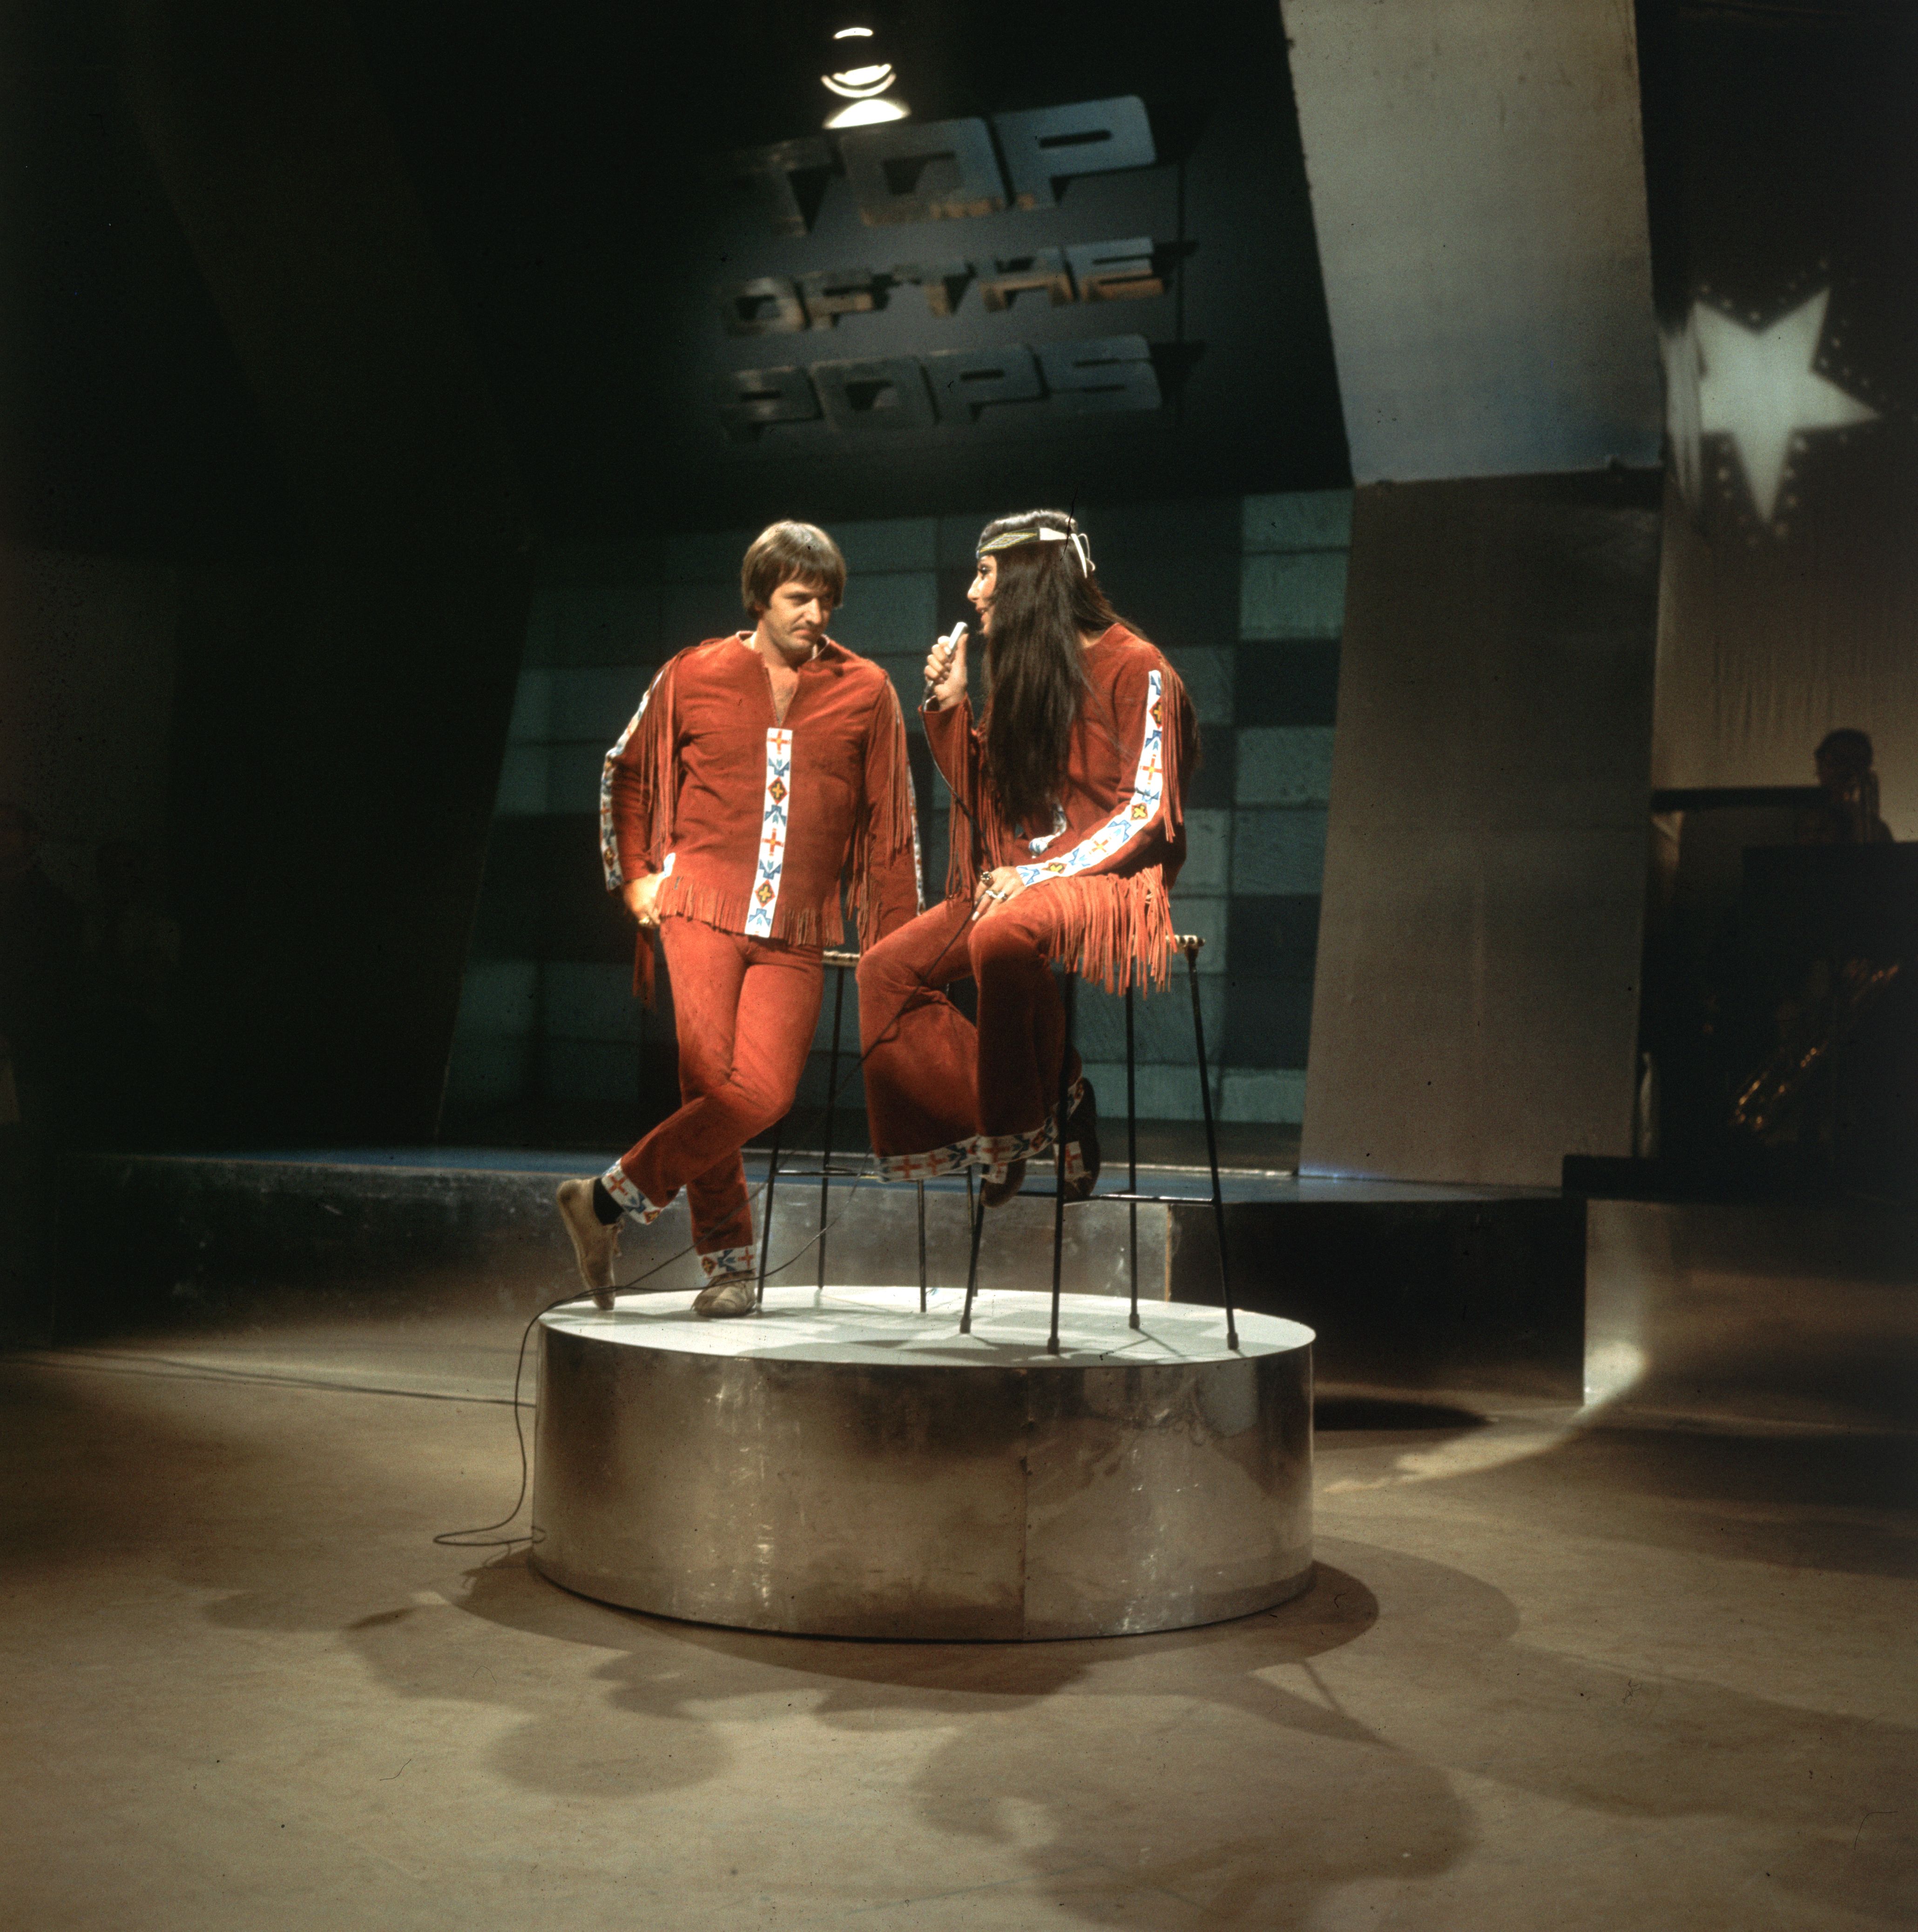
931 1080
746 1010
920 1051
1022 1019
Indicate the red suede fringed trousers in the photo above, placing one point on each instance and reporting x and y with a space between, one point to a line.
936 1086
745 1010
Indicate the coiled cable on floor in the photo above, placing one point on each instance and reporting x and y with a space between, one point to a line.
480 1536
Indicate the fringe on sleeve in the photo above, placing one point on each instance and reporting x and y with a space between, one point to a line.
638 787
969 844
1114 929
879 894
638 791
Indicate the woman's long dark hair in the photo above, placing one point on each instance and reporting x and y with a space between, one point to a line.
1035 681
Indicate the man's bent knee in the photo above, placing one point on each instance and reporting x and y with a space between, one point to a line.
757 1104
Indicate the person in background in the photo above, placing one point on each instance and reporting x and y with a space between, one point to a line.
1847 814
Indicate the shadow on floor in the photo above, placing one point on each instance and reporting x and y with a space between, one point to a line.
1364 1734
1394 1413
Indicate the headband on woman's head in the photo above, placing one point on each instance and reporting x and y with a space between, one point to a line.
1043 533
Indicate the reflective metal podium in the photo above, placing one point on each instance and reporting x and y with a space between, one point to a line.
842 1464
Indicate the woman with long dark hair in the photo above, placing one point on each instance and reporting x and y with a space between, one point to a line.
1067 832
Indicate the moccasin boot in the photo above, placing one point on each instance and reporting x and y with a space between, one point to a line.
730 1294
997 1193
595 1245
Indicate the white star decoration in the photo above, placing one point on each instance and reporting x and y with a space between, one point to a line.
1757 386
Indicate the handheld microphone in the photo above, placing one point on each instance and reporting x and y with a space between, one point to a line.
950 643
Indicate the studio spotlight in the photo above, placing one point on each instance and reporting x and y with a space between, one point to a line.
864 82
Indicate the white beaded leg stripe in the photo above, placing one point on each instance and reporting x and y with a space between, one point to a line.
616 1183
723 1263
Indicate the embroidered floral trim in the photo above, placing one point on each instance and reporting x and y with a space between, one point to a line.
988 1151
726 1263
609 842
1132 818
773 834
617 1183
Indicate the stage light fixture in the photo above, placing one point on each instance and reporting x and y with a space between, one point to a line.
864 84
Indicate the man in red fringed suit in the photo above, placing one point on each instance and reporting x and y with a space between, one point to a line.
758 768
1068 832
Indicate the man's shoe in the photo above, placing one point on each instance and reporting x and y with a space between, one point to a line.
997 1193
595 1246
1082 1125
731 1294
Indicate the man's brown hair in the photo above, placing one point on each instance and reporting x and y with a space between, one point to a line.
789 552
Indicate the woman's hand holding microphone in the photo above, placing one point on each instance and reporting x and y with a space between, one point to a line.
945 685
945 671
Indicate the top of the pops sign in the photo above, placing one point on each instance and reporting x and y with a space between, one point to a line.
940 170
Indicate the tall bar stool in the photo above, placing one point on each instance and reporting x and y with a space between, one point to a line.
1188 943
842 961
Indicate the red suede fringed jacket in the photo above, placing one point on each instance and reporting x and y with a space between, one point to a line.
1119 839
753 821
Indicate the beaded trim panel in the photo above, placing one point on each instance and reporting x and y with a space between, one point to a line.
773 834
617 1184
609 845
1131 818
991 1151
725 1264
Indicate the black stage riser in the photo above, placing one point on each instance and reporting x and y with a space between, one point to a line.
169 1239
1792 1313
1471 1294
1477 1294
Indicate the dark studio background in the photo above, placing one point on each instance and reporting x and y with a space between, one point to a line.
343 317
377 341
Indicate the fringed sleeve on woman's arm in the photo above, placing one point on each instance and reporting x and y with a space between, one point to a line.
955 750
885 889
1113 883
1153 716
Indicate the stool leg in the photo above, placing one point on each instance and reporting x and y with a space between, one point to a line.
1131 1159
973 1266
832 1105
1059 1160
766 1214
922 1187
1211 1149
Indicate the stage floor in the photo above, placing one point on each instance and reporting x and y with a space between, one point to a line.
1553 1672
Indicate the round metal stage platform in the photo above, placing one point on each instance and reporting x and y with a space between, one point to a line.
844 1465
